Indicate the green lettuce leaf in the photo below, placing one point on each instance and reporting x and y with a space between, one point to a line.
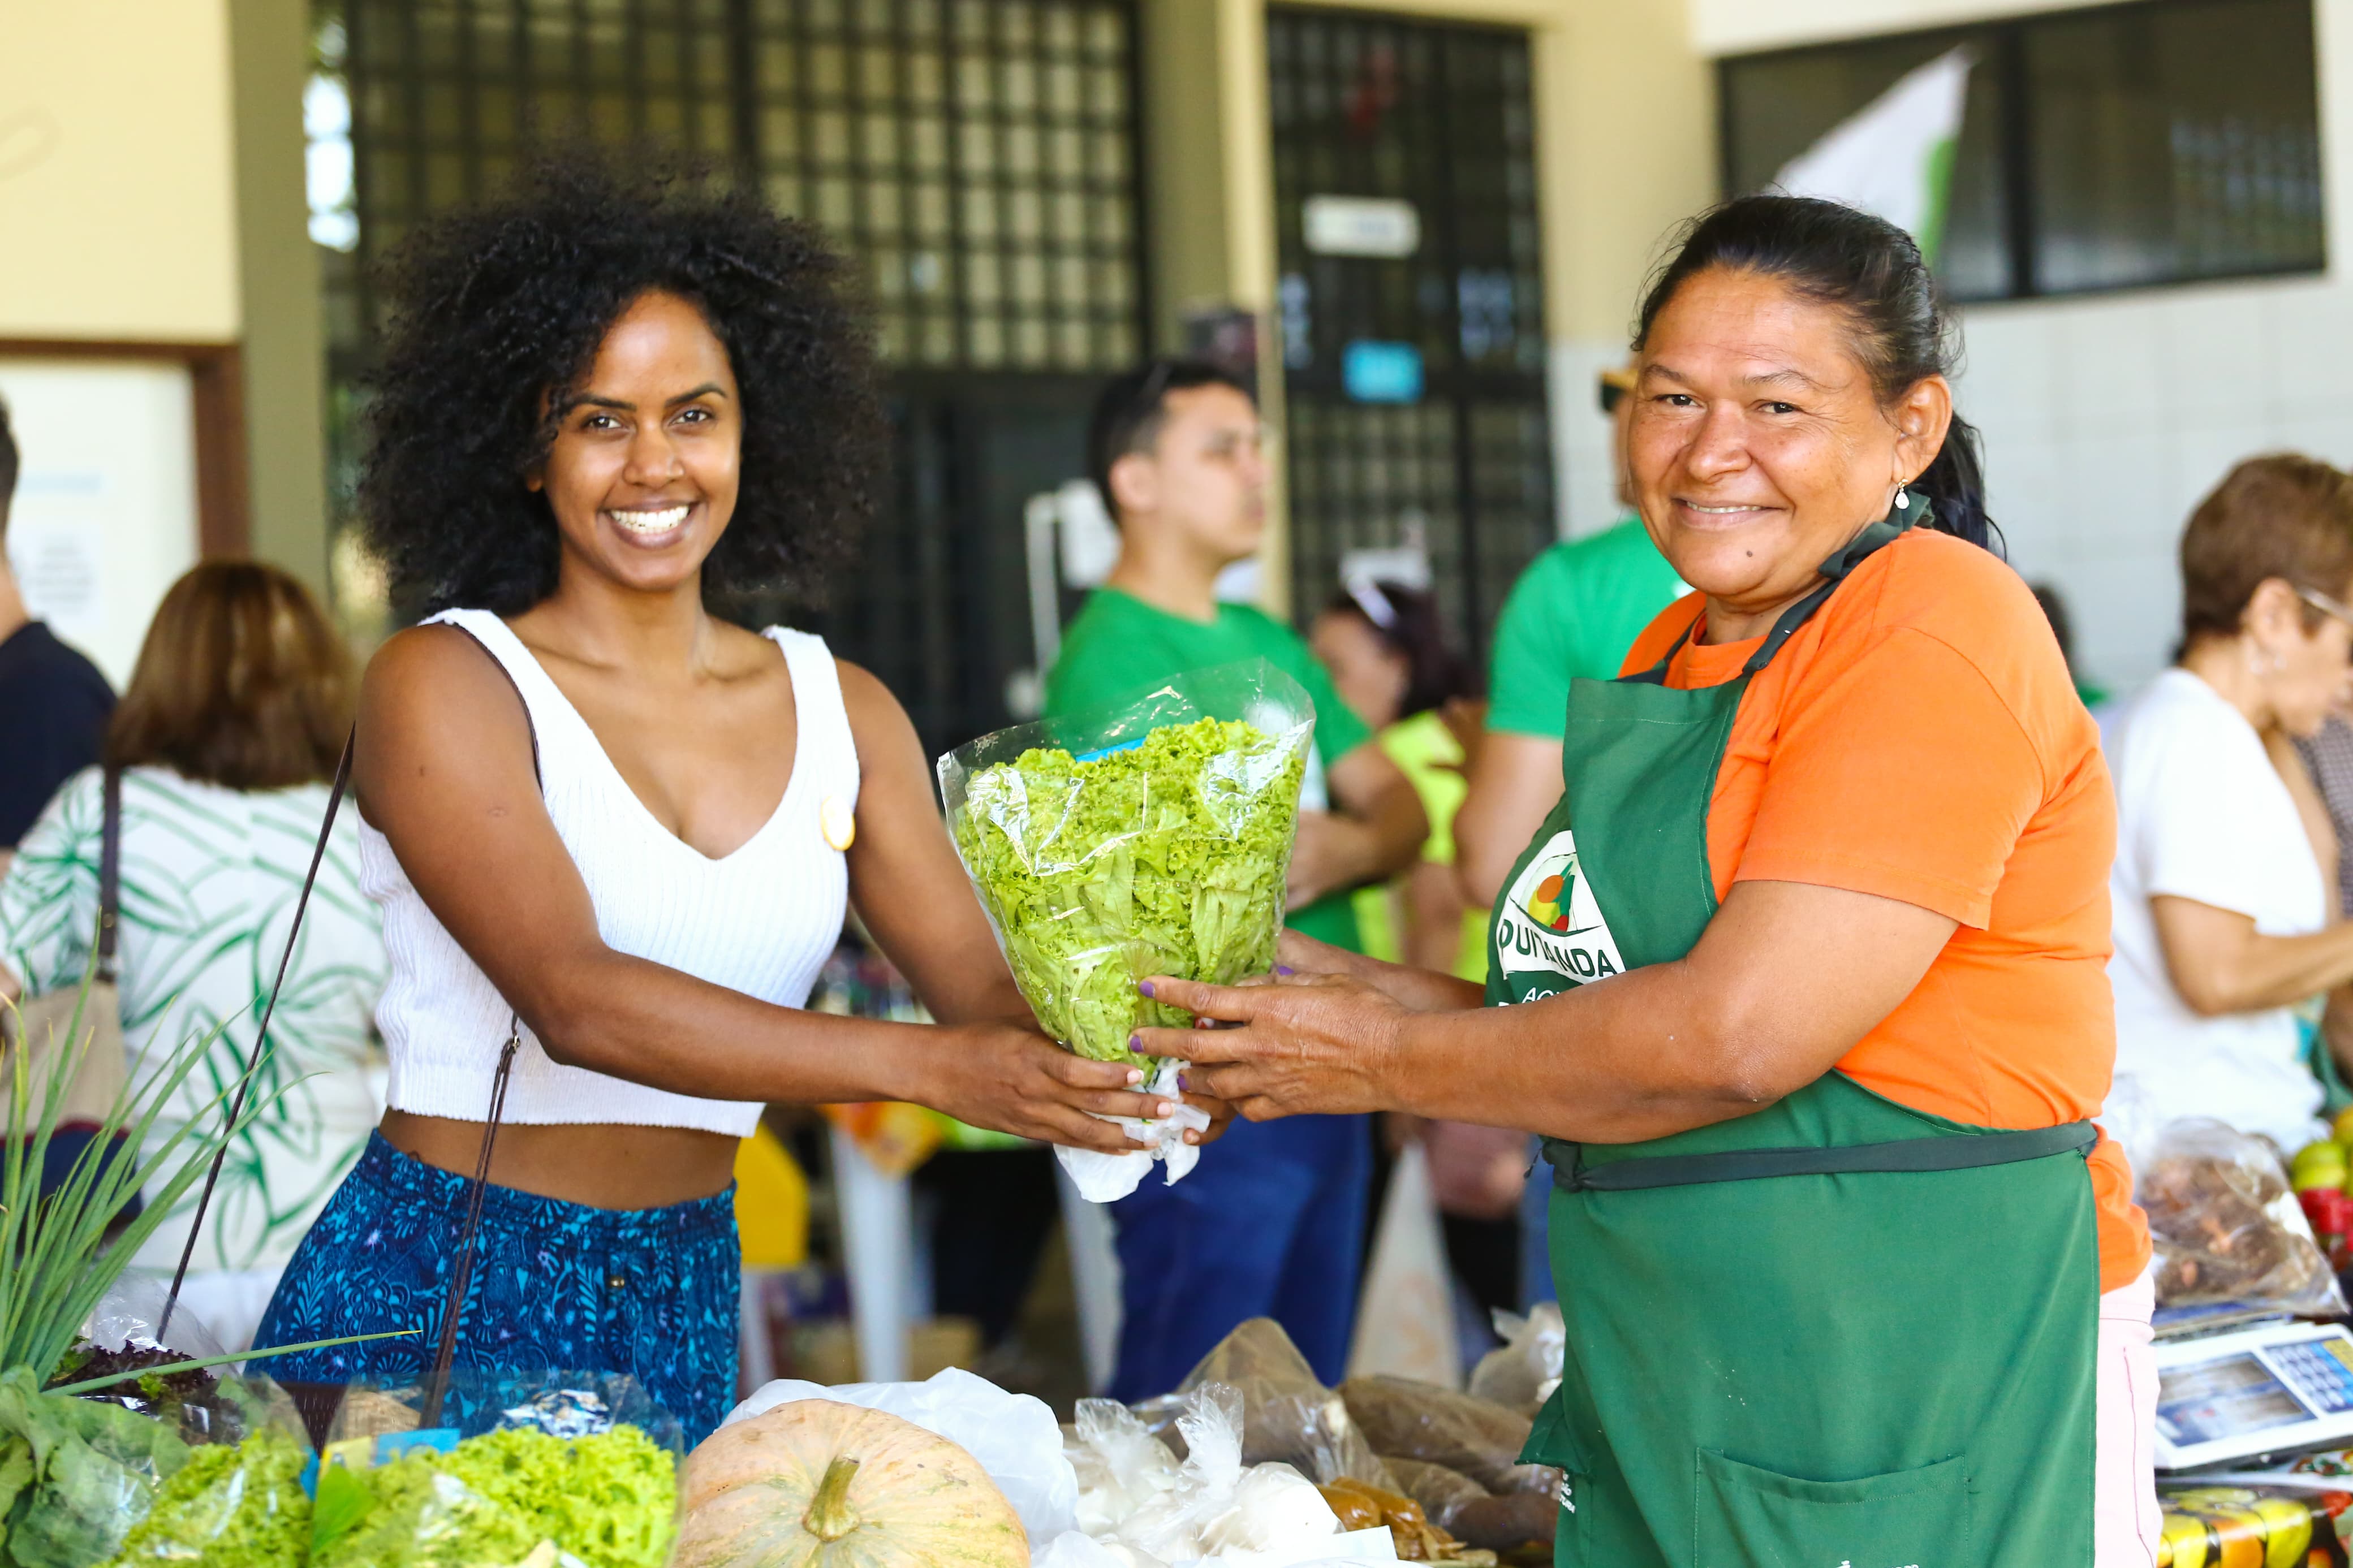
1167 857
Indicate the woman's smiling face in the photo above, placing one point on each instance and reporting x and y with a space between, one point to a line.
642 475
1758 445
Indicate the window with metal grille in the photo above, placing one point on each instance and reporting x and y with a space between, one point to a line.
1412 305
977 156
2161 142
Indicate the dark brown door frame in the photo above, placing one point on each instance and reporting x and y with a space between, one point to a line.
216 377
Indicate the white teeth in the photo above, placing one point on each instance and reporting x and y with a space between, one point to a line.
1718 510
660 522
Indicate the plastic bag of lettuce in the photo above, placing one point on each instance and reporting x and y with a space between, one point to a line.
1149 837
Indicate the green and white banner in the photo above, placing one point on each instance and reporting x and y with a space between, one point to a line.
1895 156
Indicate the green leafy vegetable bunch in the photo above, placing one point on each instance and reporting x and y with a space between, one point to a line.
609 1500
230 1506
1167 857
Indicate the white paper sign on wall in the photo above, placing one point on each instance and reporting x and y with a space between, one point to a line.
1361 226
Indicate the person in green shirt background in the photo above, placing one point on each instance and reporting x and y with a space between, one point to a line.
1271 1223
1574 611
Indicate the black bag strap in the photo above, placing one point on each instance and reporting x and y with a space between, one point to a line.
109 873
1570 1174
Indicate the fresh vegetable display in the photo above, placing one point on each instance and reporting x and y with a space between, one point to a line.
231 1506
609 1500
1155 842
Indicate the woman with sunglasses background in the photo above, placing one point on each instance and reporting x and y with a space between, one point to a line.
2224 855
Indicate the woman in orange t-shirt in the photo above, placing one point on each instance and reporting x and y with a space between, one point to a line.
1803 980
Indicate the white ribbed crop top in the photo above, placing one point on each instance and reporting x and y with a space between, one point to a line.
762 921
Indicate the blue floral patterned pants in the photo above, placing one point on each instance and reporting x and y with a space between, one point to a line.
556 1286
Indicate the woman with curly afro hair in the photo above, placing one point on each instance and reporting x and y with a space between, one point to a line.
608 829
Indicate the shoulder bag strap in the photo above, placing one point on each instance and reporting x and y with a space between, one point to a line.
109 874
260 1036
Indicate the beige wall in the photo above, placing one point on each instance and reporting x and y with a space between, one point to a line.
285 365
1737 27
117 185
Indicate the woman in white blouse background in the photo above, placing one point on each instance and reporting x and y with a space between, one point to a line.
2220 897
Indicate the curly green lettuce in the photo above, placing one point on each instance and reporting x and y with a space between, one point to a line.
608 1502
236 1505
1165 858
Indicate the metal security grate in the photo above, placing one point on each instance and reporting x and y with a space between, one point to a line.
978 156
1438 117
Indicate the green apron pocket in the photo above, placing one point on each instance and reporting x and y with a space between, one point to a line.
1752 1518
1552 1441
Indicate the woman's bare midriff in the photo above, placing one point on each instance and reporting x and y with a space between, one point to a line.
602 1165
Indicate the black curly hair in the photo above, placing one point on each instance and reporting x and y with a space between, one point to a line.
492 307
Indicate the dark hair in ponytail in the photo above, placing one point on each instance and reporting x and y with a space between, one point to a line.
1875 272
1407 622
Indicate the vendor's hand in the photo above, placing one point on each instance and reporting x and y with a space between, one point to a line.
1014 1079
1302 1044
1416 990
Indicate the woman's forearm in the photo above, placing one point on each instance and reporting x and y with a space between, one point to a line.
2219 963
634 1019
1627 1058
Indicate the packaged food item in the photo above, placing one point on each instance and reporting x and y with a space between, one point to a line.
608 1499
2226 1227
1149 839
1439 1490
232 1505
2228 1527
1412 1534
1287 1416
1422 1421
1120 1465
1521 1373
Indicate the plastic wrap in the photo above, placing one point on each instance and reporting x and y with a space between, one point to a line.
560 1403
1119 1466
1151 838
1422 1421
1257 1516
515 1495
232 1503
1521 1373
1287 1415
76 1475
2226 1227
2222 1527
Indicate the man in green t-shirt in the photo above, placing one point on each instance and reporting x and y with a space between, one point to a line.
1574 611
1271 1223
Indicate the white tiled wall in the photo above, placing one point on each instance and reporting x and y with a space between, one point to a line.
2107 419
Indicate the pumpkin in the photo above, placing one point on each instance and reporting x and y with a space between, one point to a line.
817 1484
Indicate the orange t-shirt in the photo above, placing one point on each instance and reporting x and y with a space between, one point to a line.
1919 739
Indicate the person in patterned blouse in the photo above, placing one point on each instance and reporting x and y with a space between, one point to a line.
228 738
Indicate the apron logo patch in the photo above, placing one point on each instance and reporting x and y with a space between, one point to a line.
1551 925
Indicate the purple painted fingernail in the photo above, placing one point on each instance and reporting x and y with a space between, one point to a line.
1144 986
1284 969
1135 1043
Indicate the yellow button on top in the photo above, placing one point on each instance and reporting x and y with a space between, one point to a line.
838 821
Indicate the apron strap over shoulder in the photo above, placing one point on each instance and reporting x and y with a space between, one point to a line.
1570 1174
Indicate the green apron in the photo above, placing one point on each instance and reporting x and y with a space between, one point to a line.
1833 1333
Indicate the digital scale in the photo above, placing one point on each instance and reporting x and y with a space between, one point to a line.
2277 1388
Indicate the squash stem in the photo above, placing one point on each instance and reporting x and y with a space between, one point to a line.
830 1515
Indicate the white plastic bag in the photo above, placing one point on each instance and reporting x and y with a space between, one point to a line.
1119 1466
1521 1373
1406 1327
1264 1516
1076 1549
1015 1437
1103 1178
